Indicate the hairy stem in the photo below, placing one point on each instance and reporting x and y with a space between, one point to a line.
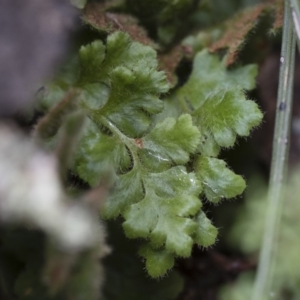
262 286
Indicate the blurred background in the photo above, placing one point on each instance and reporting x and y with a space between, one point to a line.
37 38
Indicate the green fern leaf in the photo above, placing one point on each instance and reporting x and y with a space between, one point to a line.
155 190
219 107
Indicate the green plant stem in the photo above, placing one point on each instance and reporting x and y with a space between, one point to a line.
126 140
295 8
263 280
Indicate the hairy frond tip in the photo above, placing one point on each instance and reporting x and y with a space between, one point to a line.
243 26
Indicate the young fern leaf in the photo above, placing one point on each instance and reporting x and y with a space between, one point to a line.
153 191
